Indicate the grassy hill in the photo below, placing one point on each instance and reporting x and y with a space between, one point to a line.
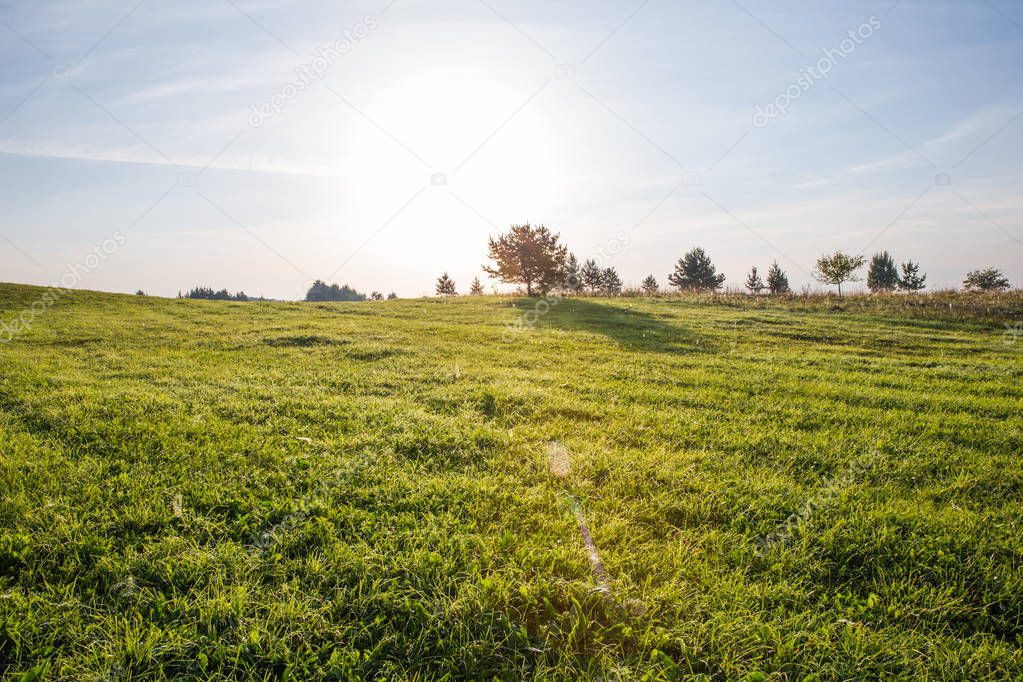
777 490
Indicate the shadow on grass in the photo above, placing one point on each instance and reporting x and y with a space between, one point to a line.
633 329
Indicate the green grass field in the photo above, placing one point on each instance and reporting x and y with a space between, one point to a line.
362 491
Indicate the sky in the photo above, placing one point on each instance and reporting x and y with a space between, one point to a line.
258 145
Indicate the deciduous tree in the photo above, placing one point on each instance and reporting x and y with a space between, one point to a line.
838 268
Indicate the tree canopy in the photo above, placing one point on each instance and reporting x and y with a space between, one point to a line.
838 268
882 274
911 279
754 283
696 272
529 255
320 291
777 280
446 286
988 279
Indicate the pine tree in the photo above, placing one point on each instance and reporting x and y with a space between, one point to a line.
988 279
911 279
528 255
754 283
571 278
476 289
696 272
446 286
650 285
777 280
611 281
882 275
592 276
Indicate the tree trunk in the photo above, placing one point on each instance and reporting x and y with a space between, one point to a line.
529 289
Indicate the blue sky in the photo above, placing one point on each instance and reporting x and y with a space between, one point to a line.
434 124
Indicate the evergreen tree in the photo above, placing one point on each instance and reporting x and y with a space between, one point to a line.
392 296
882 274
611 282
528 255
777 280
572 277
650 285
446 286
320 291
696 272
911 279
754 283
592 276
476 289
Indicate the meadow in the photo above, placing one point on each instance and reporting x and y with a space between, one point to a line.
804 489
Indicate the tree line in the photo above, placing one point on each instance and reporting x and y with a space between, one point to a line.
320 291
534 257
208 294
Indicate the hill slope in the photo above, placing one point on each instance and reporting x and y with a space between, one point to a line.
340 491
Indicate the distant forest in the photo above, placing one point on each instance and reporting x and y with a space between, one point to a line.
208 294
321 291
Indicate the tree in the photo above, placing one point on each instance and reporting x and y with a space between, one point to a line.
911 279
612 282
446 286
592 276
650 285
777 280
142 293
476 289
392 296
754 283
320 291
838 268
696 272
376 296
208 294
571 279
988 279
528 255
882 274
